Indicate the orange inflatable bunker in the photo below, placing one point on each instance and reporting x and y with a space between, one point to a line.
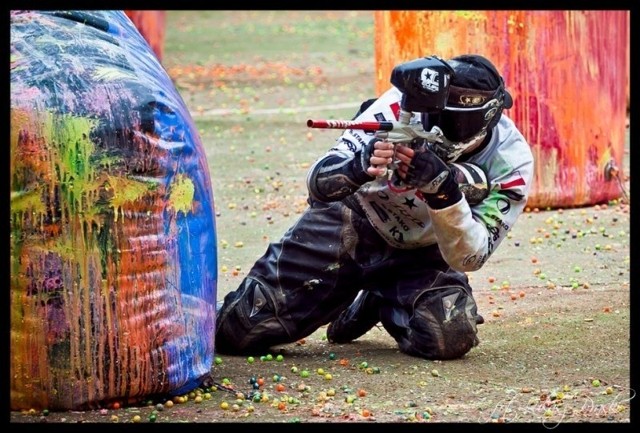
568 72
151 25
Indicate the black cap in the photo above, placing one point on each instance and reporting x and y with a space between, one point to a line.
473 71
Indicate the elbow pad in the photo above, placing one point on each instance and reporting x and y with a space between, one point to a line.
337 176
472 181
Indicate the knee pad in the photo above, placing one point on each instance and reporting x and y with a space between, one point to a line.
248 321
443 324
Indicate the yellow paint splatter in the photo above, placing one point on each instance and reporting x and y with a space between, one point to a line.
127 191
182 193
26 201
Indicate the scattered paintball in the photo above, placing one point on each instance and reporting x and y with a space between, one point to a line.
555 296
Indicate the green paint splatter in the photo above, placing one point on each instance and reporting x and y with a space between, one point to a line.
71 150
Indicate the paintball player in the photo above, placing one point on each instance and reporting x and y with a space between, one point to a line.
392 227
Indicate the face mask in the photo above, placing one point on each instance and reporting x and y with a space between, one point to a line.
461 124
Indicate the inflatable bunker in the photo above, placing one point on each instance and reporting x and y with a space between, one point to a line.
568 72
113 240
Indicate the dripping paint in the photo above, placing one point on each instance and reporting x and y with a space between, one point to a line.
113 242
568 72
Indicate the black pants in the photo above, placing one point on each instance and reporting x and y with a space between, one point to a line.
316 270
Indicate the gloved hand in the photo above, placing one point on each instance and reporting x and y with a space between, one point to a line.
372 160
431 176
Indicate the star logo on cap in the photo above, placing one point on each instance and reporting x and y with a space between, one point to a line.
471 100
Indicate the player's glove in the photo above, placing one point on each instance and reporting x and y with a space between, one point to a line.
431 176
361 162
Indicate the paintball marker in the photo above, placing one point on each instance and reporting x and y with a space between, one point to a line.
393 131
424 84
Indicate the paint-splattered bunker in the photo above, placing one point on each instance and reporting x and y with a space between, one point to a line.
113 241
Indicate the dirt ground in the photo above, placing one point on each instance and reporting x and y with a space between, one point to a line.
555 347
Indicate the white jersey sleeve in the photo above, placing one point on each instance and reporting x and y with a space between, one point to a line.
467 236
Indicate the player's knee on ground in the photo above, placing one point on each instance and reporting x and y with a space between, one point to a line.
354 321
443 325
248 321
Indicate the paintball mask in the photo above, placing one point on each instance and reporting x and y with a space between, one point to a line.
475 100
424 84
